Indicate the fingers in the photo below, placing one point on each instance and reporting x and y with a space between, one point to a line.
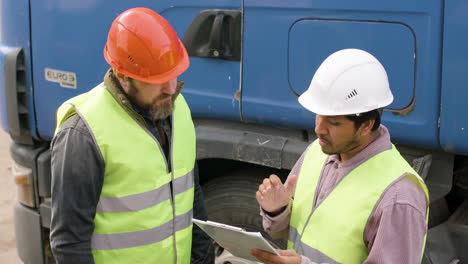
291 256
270 188
275 181
263 190
290 184
286 252
260 197
286 256
265 257
269 183
266 184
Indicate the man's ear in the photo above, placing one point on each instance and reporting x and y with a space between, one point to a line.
119 75
366 127
123 80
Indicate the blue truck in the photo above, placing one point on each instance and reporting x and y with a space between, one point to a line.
249 62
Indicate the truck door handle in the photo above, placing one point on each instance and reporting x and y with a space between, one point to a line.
215 37
215 34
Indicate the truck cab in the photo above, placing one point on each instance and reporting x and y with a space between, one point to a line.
250 60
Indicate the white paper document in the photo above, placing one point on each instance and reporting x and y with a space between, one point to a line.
234 239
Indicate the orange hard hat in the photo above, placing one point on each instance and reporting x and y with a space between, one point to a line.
142 45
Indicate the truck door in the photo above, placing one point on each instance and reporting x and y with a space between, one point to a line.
285 42
68 39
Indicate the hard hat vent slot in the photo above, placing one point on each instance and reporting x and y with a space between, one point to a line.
352 94
130 58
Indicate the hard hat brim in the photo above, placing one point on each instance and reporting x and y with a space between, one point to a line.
307 100
310 102
180 68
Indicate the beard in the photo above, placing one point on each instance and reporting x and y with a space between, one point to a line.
348 146
158 109
162 111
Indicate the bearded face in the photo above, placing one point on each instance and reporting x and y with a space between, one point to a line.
157 100
337 135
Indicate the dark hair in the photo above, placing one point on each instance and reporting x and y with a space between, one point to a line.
363 117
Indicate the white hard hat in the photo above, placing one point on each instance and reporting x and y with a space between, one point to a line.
350 81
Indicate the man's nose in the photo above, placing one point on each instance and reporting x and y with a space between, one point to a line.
320 126
169 87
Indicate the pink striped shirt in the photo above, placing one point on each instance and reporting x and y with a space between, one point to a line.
396 228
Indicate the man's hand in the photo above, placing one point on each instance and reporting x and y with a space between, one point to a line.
272 195
286 257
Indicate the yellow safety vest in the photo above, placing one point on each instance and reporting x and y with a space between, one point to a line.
334 231
144 212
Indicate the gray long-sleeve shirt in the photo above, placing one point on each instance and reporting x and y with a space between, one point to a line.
77 178
396 228
78 174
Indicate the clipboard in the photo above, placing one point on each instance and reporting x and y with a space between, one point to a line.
234 239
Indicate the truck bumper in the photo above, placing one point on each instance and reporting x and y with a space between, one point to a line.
32 222
28 232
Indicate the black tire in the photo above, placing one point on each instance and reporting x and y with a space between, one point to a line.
230 199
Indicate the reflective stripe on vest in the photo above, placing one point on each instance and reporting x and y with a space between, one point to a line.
334 231
144 200
137 219
140 238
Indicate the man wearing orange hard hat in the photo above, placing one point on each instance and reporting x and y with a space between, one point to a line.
124 177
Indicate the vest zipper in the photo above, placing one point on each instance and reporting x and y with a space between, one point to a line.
172 198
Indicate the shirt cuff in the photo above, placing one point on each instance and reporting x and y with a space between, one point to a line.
278 222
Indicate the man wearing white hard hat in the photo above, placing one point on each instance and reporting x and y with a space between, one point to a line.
351 197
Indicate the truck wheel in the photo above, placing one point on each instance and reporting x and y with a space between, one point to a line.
230 199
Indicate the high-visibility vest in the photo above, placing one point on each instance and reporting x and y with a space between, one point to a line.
145 210
333 232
